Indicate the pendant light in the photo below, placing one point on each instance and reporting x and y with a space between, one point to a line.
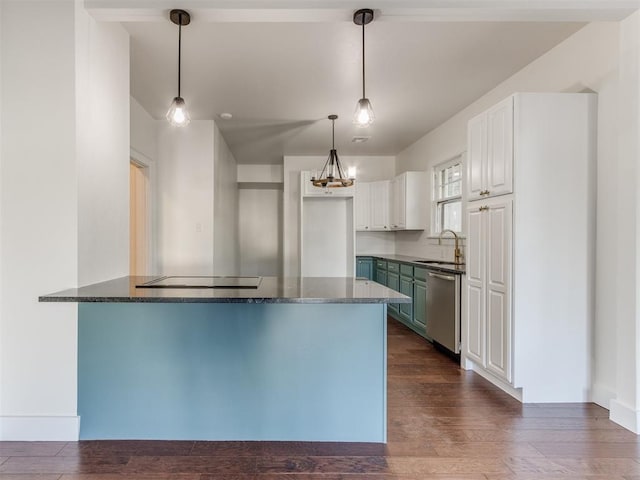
332 174
177 114
363 116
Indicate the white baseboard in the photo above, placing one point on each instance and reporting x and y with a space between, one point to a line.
625 416
471 365
602 396
19 428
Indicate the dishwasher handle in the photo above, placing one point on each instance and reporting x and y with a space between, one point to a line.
450 278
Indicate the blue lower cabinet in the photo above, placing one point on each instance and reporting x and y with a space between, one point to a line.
364 267
420 304
393 281
405 310
410 281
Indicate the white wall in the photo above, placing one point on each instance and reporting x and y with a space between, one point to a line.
260 227
144 151
625 408
64 79
144 131
260 219
226 254
39 212
185 198
197 201
102 108
586 61
369 168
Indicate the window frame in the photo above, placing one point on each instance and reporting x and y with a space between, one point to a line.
437 203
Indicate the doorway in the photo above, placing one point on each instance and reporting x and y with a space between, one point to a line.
138 219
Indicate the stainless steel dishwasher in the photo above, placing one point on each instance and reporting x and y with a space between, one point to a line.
443 309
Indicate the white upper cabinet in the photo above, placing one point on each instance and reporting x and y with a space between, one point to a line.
490 152
380 205
476 157
398 202
500 149
363 206
409 201
388 205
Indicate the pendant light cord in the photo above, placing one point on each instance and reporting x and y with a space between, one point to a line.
179 51
363 95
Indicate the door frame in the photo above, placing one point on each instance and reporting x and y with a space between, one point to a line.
148 166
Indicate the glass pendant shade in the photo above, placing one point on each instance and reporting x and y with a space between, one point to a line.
363 116
178 115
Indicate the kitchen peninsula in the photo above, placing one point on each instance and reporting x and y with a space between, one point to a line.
300 359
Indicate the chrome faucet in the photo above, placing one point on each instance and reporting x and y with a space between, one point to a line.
457 254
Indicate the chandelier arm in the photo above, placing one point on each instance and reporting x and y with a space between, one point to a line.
323 172
340 170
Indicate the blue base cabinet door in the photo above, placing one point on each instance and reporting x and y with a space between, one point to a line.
364 267
393 281
405 310
420 304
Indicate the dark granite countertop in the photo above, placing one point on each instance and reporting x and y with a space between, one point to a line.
415 261
270 290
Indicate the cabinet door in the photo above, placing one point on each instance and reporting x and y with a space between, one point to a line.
405 310
399 202
363 206
381 277
379 194
420 304
500 148
364 268
476 156
393 282
474 320
416 201
498 288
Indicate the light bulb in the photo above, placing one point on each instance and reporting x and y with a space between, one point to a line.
177 114
351 172
363 116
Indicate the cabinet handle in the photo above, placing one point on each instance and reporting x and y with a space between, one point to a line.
442 277
482 209
366 228
485 192
385 226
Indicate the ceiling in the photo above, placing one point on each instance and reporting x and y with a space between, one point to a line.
281 80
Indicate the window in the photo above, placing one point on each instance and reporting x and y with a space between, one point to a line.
447 196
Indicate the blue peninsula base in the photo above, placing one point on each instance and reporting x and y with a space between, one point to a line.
237 371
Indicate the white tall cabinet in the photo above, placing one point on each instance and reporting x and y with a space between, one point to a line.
527 309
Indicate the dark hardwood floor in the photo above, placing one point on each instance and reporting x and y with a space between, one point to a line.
444 423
